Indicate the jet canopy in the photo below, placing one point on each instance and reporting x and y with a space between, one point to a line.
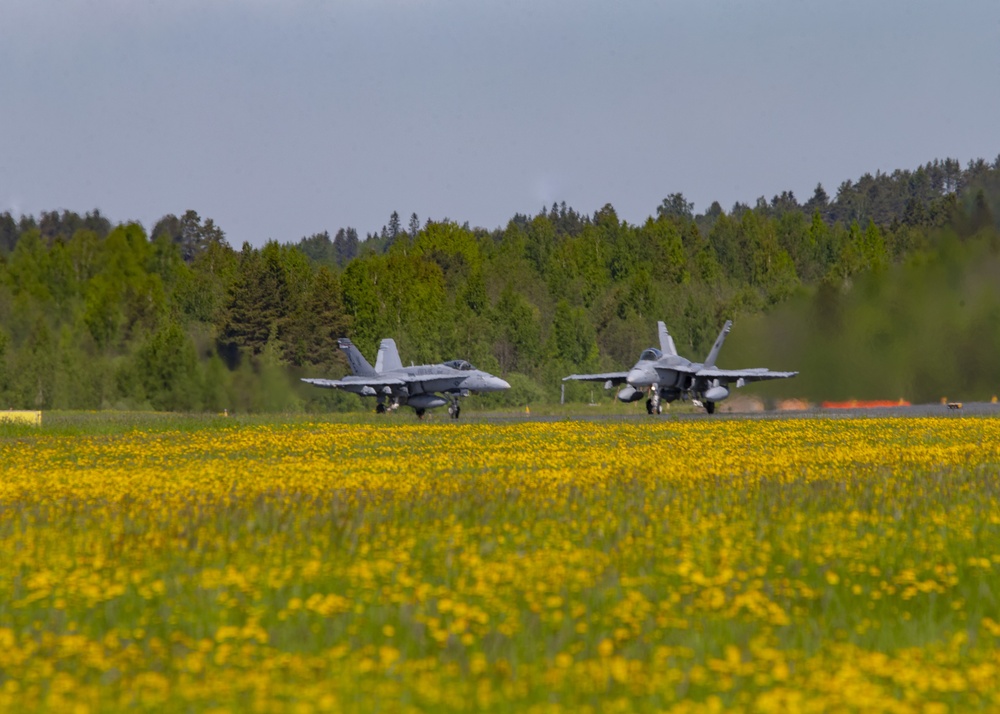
650 355
460 364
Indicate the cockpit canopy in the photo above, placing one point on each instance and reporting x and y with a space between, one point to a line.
459 364
650 355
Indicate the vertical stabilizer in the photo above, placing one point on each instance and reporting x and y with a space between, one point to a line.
714 354
359 365
388 357
666 341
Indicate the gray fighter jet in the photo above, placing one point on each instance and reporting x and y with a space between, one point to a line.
420 387
666 375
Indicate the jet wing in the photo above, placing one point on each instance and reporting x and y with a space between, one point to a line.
378 381
615 378
347 382
758 374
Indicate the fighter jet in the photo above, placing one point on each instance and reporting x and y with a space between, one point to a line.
666 375
420 387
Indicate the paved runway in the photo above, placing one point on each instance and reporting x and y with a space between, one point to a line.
915 410
969 409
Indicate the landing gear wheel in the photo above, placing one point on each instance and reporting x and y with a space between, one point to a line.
710 407
380 408
420 413
649 406
458 410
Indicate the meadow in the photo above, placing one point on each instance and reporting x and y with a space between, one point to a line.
172 564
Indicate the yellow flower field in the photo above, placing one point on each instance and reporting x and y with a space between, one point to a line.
703 565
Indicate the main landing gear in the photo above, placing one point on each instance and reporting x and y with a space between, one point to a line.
420 413
709 406
380 408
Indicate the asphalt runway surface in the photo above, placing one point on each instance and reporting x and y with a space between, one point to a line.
968 409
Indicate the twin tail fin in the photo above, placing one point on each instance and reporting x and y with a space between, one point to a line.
359 365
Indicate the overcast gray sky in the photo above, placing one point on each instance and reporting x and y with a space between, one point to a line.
281 118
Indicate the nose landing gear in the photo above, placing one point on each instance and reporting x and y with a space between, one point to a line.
653 405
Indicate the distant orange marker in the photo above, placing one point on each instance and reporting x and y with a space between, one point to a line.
865 404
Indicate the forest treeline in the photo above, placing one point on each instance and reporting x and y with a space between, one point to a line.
889 288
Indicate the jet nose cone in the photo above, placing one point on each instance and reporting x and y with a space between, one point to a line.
482 382
637 377
495 383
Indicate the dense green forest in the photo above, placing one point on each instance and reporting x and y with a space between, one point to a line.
891 288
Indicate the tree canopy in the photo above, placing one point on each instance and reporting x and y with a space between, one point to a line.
895 277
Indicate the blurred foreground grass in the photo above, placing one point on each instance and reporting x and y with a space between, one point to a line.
170 563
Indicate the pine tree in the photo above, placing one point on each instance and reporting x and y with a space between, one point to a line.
188 231
8 233
312 335
248 319
395 227
345 246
